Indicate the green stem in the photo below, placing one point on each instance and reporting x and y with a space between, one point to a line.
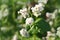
31 28
13 6
0 4
34 37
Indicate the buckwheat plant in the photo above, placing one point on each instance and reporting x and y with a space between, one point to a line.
33 22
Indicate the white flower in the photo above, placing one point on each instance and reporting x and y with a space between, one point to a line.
24 33
42 1
51 23
24 12
29 21
14 37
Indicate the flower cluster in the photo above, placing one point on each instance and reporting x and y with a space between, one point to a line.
37 9
24 12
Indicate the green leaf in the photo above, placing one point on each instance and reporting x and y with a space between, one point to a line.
42 25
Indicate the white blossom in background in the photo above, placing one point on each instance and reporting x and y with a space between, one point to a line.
54 14
51 23
19 17
23 12
49 33
5 12
24 33
3 28
51 15
58 32
42 1
14 37
53 30
29 21
0 14
3 6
